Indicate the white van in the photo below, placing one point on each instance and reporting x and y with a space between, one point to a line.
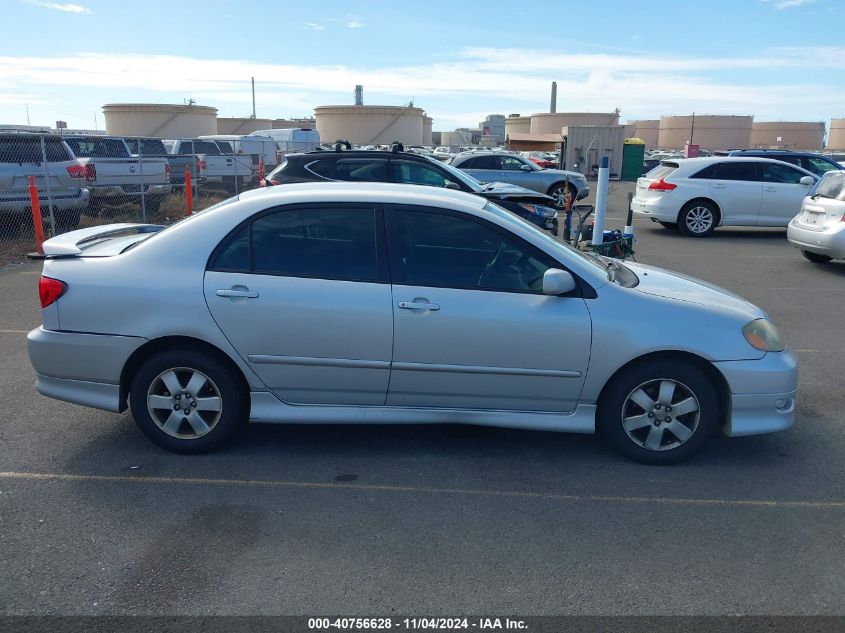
257 145
295 139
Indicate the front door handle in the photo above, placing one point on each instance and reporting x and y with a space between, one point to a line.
770 189
418 305
244 293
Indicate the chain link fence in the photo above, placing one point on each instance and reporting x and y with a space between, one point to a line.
83 180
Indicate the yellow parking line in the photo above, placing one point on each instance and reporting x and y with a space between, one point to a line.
756 503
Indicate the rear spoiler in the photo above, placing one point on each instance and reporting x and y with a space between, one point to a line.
72 243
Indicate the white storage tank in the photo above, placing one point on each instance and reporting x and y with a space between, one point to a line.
836 138
370 125
552 122
647 130
711 131
161 120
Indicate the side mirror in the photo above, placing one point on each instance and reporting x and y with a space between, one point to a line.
452 185
807 180
557 282
525 168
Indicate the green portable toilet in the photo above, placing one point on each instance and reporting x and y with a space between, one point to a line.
633 155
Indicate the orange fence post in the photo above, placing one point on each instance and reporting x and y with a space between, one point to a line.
189 192
36 216
261 182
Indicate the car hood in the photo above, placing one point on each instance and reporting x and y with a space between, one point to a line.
671 285
563 173
506 190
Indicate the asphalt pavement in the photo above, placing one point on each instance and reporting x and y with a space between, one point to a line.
378 520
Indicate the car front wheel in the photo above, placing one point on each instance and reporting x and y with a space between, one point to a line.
659 412
558 192
187 401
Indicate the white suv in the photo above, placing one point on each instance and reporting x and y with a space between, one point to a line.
695 195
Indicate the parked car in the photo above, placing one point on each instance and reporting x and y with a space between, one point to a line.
414 169
695 195
367 303
819 230
542 159
214 168
117 177
815 163
155 148
518 170
257 146
291 140
61 181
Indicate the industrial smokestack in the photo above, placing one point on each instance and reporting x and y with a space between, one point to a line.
553 107
359 95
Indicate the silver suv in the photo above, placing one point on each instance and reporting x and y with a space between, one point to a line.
518 170
59 176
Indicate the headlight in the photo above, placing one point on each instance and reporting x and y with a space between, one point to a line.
762 335
542 211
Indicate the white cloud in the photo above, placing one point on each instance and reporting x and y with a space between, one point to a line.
350 21
58 6
313 26
780 5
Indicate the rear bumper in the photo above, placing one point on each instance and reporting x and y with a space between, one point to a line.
830 242
61 199
80 368
658 209
762 393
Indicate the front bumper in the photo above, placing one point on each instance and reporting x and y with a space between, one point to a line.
80 368
830 242
762 393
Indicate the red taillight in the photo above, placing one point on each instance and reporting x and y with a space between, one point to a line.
76 171
49 290
168 171
201 164
90 172
662 185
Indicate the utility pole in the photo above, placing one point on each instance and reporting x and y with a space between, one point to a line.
253 97
27 115
692 128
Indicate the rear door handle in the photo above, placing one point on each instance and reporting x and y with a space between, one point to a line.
769 188
246 294
418 305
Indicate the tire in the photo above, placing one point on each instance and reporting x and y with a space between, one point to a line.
698 219
668 225
558 192
816 258
648 439
205 429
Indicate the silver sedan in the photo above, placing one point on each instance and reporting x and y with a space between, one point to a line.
376 303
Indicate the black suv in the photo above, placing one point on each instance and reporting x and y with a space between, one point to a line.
812 162
411 169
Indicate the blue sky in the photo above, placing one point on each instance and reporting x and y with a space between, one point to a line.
457 59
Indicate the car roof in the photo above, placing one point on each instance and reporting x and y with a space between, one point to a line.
359 153
709 160
373 192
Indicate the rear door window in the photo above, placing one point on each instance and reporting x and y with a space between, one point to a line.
413 173
706 173
479 162
735 170
509 163
361 169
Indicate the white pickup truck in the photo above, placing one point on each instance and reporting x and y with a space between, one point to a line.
116 177
215 168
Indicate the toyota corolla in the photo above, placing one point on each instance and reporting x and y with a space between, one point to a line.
377 303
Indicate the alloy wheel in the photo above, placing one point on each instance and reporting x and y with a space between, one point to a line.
699 219
660 414
184 403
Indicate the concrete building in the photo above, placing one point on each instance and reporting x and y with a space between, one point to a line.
242 125
161 120
836 138
788 135
586 145
461 136
370 125
708 131
552 122
647 130
516 124
494 125
285 124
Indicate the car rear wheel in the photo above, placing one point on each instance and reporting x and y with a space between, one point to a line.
659 412
698 219
816 258
187 401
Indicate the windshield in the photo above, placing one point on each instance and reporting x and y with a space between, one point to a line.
832 185
464 177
